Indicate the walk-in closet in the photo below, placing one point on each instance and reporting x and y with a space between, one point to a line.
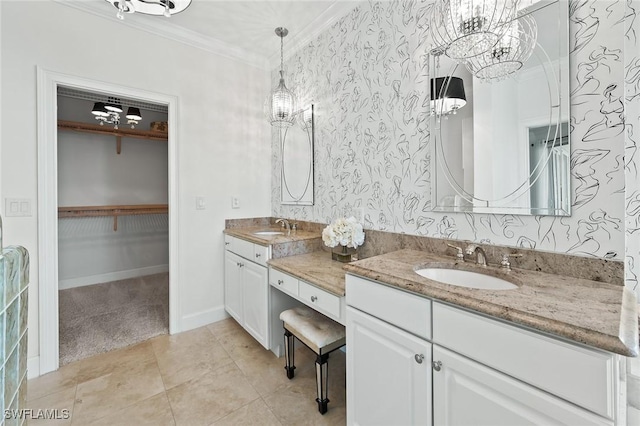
113 239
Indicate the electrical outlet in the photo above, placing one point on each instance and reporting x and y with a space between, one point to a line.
17 207
235 202
201 204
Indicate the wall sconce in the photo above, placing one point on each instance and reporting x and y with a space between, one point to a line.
109 113
149 7
447 95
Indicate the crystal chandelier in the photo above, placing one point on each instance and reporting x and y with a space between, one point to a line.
109 113
509 54
467 28
150 7
280 105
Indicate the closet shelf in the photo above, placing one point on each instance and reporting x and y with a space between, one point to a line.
119 133
115 211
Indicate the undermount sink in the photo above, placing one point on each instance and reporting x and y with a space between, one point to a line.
268 233
467 279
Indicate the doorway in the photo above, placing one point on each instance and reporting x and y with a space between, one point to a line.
48 257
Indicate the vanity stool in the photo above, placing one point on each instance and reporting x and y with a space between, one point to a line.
320 334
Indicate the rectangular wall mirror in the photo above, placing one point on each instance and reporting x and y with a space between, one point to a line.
296 175
500 121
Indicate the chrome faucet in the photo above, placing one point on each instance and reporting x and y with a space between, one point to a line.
481 256
285 224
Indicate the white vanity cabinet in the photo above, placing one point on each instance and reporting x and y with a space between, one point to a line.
482 371
246 286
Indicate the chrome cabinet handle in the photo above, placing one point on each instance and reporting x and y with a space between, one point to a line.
238 264
257 254
313 298
437 365
280 282
226 243
419 358
241 265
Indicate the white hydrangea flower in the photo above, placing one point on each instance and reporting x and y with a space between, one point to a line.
344 232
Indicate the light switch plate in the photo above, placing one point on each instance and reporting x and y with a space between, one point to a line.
235 202
17 207
201 203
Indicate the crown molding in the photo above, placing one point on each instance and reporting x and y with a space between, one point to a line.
181 35
324 21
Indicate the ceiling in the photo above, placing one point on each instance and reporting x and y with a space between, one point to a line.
241 30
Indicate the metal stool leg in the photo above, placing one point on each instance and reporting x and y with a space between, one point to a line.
322 376
288 353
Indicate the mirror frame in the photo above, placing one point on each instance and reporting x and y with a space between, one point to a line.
559 114
308 197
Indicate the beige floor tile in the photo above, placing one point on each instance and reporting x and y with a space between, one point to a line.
64 378
124 386
211 397
239 343
61 401
254 413
223 327
99 365
154 411
187 356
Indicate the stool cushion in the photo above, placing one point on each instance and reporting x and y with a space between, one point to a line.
315 330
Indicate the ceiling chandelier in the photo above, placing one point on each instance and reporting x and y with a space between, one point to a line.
509 54
109 112
280 105
447 95
150 7
467 28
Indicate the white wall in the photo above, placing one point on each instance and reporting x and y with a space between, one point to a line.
221 136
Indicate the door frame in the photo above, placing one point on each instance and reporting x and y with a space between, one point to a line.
47 148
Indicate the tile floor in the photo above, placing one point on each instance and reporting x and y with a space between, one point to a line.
214 375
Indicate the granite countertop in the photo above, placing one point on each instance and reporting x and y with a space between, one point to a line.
598 314
248 234
316 268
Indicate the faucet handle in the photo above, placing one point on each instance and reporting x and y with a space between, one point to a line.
294 226
504 263
459 254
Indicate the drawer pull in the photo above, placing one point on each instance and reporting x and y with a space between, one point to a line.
226 243
314 298
257 254
280 282
238 264
437 365
419 358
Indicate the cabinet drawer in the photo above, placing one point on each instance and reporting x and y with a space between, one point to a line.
260 254
574 373
283 282
243 248
228 242
404 310
319 299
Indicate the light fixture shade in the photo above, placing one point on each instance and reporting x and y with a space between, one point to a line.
113 105
467 28
447 95
99 110
151 7
280 106
133 113
510 52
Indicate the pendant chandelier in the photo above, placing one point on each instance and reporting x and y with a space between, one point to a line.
150 7
467 28
509 54
447 95
109 112
280 105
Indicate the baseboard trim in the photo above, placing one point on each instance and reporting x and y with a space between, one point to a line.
33 367
199 319
111 276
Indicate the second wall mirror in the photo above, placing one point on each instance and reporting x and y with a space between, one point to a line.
296 176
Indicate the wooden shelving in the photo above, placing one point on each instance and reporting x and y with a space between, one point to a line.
115 211
107 130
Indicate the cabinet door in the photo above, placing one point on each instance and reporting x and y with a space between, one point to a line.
233 285
468 393
388 374
256 301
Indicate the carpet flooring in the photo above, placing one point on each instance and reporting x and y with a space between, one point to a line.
102 317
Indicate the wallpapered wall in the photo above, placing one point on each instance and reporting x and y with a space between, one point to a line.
368 76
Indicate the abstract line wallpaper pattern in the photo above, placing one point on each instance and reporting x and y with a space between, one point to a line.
368 76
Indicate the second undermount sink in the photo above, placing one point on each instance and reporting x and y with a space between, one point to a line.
266 233
467 279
